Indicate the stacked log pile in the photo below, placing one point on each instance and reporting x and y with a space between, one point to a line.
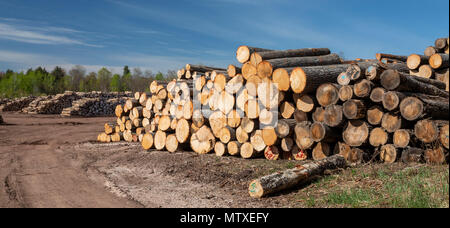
4 101
17 104
32 107
1 119
293 104
433 64
96 104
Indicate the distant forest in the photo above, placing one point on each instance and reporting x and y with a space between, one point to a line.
39 81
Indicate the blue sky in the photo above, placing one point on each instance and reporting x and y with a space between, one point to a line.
162 35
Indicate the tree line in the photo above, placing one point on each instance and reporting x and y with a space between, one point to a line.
39 81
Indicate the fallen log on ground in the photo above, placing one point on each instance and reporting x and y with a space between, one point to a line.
289 178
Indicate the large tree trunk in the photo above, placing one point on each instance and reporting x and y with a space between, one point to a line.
265 68
289 178
308 79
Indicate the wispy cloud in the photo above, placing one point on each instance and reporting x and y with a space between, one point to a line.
40 35
26 58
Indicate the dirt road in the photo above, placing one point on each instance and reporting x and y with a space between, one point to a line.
49 161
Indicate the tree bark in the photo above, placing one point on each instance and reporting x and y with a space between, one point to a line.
393 80
308 79
414 61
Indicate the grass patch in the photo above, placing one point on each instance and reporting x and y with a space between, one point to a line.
380 185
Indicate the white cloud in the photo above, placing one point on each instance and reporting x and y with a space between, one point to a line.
27 35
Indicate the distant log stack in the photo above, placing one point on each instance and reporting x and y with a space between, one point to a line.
297 104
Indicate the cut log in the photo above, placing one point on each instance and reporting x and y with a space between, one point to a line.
308 79
233 70
402 138
303 135
281 78
269 136
234 118
227 134
362 88
435 156
393 80
220 149
171 143
203 141
334 116
355 156
429 51
252 85
354 109
306 103
414 61
439 61
287 144
248 70
388 154
327 94
266 55
420 106
287 109
443 76
412 155
217 121
300 116
318 115
247 151
321 151
118 111
268 94
380 56
378 137
235 84
225 102
426 131
241 135
441 43
377 95
342 149
164 123
243 53
201 68
252 109
265 68
356 133
289 178
285 128
346 93
272 153
160 140
391 122
248 125
233 148
182 131
267 118
343 79
220 82
257 141
392 99
322 133
424 71
298 154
